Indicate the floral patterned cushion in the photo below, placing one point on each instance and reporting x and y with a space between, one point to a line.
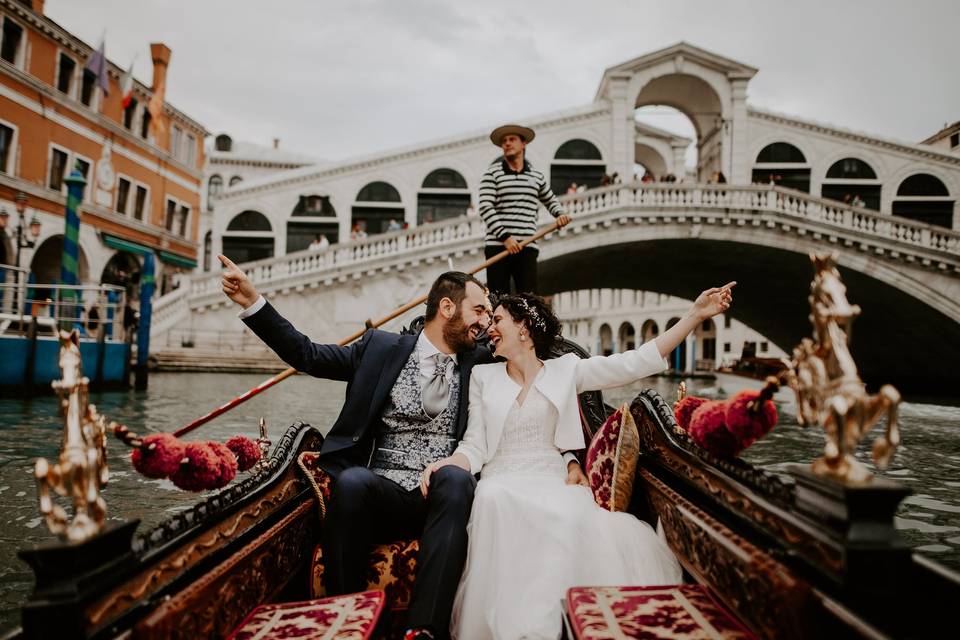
392 570
686 612
612 460
349 617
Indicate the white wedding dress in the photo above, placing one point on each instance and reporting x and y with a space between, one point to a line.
532 536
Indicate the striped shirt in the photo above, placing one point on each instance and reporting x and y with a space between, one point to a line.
509 202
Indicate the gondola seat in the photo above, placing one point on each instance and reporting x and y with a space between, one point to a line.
348 617
679 612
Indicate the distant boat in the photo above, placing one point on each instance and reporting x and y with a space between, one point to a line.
751 373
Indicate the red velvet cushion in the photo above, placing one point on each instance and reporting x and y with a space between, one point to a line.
349 617
612 460
684 612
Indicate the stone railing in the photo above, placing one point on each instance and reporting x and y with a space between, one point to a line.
454 237
168 310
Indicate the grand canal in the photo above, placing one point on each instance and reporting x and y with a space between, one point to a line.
928 461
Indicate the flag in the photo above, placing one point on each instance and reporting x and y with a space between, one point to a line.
97 64
126 86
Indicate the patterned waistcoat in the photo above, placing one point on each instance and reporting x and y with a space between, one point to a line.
409 439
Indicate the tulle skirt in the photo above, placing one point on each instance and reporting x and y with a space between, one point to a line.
531 537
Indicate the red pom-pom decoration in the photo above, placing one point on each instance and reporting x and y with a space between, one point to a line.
200 470
746 423
683 410
709 430
159 456
228 463
246 451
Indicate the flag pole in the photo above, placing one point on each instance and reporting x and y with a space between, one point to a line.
286 373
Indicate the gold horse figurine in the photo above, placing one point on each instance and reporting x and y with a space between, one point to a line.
81 470
829 389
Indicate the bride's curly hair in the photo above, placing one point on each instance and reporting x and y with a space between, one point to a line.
537 316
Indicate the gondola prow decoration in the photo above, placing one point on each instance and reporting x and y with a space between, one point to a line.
81 470
829 390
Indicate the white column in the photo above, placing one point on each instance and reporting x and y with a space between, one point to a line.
622 129
734 158
691 351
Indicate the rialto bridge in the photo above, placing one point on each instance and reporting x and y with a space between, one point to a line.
670 238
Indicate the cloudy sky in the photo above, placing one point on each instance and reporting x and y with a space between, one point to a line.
335 79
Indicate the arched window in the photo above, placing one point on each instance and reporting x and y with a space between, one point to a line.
207 249
783 164
235 180
648 331
377 210
249 221
443 195
706 346
314 216
924 198
223 142
627 337
214 187
249 237
854 182
577 162
606 340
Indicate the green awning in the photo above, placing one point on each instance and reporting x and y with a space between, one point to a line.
126 245
180 261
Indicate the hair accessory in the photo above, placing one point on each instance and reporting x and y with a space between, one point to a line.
535 320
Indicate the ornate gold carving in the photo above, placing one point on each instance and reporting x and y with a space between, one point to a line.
215 603
829 390
81 470
263 443
201 546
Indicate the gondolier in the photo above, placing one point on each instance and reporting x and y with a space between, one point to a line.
510 193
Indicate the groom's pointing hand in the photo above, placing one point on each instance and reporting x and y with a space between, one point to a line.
235 283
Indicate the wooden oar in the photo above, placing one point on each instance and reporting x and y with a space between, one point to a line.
286 373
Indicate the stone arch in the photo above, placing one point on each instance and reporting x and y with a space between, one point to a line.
122 269
924 197
312 216
782 162
626 337
576 160
649 330
652 157
377 203
677 360
705 337
214 189
852 179
45 263
443 194
249 236
605 339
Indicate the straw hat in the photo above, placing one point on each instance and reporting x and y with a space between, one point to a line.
498 134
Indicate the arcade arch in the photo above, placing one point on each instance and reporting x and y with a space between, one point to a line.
314 215
678 357
45 264
850 179
783 164
924 198
606 340
123 269
626 337
579 162
376 205
444 194
648 331
663 142
249 237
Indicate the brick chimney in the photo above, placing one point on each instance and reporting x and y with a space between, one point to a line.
160 53
37 6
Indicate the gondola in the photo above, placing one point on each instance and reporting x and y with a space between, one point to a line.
796 555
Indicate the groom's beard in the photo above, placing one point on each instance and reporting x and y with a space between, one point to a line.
457 334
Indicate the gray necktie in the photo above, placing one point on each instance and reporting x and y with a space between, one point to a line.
437 390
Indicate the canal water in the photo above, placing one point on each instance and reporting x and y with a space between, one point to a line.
928 461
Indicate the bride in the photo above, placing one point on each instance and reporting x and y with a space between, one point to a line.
535 529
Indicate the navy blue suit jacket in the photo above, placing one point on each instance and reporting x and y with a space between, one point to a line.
369 366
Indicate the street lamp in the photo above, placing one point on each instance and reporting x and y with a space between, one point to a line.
34 227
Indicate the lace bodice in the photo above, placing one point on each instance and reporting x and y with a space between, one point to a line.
527 443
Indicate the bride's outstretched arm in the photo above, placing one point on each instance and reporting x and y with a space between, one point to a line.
606 372
708 304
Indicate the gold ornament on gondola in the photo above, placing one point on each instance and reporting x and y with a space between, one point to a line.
81 470
829 390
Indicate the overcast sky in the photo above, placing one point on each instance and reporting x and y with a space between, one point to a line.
335 79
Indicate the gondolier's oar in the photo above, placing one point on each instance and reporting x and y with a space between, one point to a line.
283 375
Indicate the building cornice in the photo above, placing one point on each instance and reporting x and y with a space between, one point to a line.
95 117
61 36
855 136
310 174
249 162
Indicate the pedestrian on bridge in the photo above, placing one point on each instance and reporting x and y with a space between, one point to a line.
510 194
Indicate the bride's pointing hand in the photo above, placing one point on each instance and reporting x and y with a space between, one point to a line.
713 301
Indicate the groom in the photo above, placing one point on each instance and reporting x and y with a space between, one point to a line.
405 407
